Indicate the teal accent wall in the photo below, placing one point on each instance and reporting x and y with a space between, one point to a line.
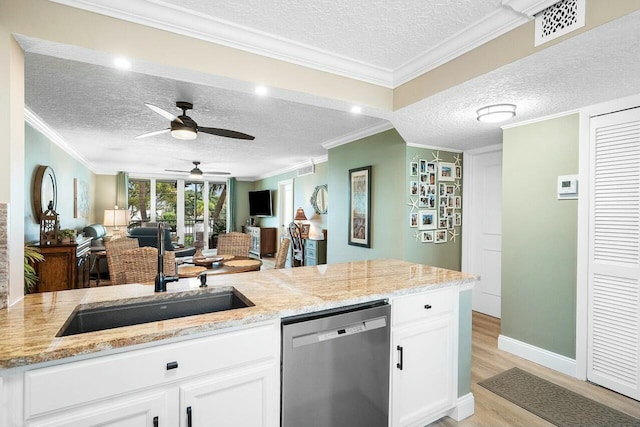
385 153
444 255
464 343
39 150
303 187
539 235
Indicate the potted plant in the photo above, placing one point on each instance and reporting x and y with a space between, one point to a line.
66 235
31 256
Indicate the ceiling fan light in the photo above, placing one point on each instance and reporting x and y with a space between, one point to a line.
183 134
496 113
195 173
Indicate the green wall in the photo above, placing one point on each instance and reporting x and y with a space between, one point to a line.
302 190
242 203
40 151
539 235
385 152
443 255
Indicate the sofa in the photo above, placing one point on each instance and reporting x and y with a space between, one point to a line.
96 232
148 236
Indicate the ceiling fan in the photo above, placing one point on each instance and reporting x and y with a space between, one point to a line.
183 126
197 173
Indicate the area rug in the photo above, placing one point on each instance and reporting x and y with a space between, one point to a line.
555 404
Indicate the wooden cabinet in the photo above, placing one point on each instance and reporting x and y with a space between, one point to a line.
224 379
263 240
64 266
424 365
315 252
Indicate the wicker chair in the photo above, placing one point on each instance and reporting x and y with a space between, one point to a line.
115 249
141 264
283 250
234 243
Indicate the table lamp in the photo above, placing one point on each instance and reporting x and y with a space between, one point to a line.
116 218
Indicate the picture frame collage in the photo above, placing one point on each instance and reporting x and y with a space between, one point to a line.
438 200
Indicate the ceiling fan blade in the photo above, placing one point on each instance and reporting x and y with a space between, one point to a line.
154 133
226 133
174 170
216 173
163 113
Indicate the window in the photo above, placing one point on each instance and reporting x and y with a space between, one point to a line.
139 200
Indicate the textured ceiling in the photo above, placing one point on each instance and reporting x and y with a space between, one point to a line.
383 33
596 66
98 110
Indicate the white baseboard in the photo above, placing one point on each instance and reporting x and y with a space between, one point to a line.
464 408
538 355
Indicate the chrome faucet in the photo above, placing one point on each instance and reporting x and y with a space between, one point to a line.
161 279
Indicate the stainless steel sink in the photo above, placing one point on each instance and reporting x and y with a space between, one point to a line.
136 312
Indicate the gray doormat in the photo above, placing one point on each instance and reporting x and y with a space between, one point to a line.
555 404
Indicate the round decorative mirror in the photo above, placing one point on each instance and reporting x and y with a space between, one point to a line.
45 190
319 199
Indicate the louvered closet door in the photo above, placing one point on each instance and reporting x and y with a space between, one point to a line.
614 264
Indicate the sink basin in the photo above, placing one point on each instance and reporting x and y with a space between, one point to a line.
136 312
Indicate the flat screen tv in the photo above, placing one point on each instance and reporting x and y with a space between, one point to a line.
260 203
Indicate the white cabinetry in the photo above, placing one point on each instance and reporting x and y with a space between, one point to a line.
425 353
221 377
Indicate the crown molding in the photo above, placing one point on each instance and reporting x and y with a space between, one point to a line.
539 119
175 19
179 20
433 147
36 122
494 25
359 134
315 161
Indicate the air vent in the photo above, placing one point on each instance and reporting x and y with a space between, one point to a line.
307 170
560 19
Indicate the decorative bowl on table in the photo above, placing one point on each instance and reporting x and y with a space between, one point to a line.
207 261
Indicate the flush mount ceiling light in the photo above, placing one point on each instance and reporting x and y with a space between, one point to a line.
496 113
261 90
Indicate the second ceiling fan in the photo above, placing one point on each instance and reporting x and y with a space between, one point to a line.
184 127
197 173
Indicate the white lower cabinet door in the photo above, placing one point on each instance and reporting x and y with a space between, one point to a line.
142 410
247 397
422 372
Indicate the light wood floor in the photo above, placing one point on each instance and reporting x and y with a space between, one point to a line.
492 410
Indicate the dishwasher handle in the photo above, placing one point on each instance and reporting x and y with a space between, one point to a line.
343 331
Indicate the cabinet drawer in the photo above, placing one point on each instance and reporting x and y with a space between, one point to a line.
310 251
411 308
57 387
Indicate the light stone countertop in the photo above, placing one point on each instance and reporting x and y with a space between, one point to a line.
28 329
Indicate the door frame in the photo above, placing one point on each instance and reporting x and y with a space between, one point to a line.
584 174
281 204
469 211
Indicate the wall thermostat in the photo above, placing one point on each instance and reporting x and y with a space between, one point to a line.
568 187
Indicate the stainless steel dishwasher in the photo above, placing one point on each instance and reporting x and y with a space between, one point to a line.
335 367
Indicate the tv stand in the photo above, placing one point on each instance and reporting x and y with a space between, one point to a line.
263 240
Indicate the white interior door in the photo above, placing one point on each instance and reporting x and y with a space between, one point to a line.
613 342
285 206
483 225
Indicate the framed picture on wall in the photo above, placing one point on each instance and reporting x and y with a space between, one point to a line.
304 231
360 207
413 219
427 220
441 236
427 236
414 168
446 171
413 188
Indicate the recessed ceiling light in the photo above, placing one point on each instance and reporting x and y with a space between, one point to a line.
496 113
122 63
262 90
356 109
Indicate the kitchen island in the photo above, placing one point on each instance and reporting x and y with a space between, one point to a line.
31 354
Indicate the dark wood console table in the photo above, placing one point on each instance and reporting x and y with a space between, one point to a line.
64 266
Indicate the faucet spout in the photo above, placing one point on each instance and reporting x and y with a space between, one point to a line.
162 280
